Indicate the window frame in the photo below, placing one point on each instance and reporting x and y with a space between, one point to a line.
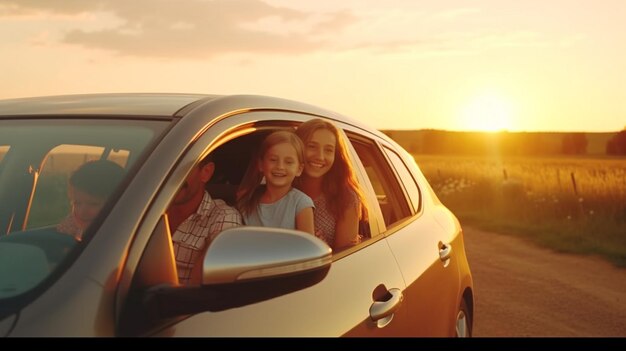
398 192
416 207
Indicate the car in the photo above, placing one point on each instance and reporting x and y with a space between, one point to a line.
409 277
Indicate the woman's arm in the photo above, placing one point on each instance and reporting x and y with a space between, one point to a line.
304 221
347 229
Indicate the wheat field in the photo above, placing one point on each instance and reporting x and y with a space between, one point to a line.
570 204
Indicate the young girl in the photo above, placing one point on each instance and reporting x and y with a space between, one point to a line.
88 189
277 204
330 181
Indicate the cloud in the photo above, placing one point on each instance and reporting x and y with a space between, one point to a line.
198 29
62 7
201 29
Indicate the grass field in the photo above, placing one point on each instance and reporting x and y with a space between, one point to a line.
569 204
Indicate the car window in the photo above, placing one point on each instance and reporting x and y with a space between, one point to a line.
407 179
228 174
3 151
191 235
38 157
391 199
50 201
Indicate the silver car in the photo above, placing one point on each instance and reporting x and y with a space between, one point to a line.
409 277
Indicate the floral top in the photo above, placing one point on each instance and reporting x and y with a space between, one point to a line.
325 221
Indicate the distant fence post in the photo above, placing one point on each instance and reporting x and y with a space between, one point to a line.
506 176
579 200
574 183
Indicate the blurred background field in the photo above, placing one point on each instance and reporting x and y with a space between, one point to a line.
562 190
569 203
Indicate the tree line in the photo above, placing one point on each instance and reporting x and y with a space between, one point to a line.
617 144
503 143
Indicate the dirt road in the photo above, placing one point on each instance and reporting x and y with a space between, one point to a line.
524 290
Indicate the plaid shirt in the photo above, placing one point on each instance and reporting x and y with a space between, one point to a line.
197 231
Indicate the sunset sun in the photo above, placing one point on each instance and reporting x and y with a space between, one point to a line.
487 112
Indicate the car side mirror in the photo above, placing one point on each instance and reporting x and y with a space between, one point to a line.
248 253
243 265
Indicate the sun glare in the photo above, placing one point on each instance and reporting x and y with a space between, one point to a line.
488 112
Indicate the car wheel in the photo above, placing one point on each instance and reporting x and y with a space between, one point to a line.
463 321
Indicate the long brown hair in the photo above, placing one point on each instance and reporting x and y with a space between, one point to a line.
340 182
249 192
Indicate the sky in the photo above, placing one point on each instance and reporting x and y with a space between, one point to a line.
516 65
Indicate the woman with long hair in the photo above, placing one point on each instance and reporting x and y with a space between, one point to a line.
329 180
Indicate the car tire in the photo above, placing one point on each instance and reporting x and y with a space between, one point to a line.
463 323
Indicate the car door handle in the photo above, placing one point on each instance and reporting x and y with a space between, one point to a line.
445 251
382 312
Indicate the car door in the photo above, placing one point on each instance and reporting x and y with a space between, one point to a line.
357 283
415 237
440 283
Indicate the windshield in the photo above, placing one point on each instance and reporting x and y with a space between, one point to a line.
55 177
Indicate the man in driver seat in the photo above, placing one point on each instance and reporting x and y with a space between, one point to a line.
195 219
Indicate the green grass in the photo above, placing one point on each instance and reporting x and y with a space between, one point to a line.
538 199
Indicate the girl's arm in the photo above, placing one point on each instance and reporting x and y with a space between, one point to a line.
347 229
304 221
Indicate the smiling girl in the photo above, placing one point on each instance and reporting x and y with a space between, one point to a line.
277 203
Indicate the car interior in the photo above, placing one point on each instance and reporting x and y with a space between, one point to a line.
231 163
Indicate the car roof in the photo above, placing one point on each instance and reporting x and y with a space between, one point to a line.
159 105
128 104
148 105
